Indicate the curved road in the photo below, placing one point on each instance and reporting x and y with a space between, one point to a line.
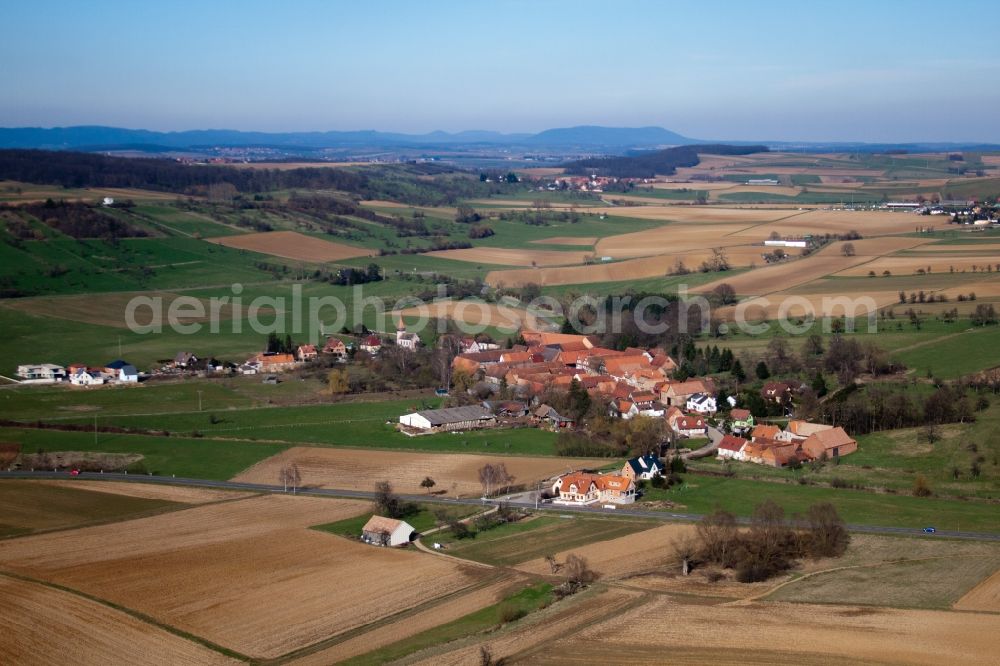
623 510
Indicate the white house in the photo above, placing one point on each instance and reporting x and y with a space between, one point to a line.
702 403
381 531
731 446
128 374
583 488
41 371
643 467
690 426
85 377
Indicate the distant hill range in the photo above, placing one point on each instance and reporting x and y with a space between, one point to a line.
117 138
567 140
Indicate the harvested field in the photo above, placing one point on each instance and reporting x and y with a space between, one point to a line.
360 469
42 625
156 491
247 574
828 261
293 245
30 506
109 309
628 555
875 636
672 238
983 597
711 214
819 305
693 185
868 223
785 275
931 263
475 313
567 240
561 619
502 256
631 269
763 190
410 625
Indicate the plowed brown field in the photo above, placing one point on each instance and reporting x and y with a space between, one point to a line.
42 625
361 469
247 574
293 245
810 635
983 597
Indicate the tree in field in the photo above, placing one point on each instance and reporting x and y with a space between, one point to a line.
826 533
738 372
386 502
848 250
428 483
494 476
725 293
719 537
578 571
289 475
921 487
686 550
337 382
761 370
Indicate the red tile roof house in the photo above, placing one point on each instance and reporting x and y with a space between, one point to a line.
731 447
335 347
275 362
834 443
677 393
581 488
690 426
371 344
306 352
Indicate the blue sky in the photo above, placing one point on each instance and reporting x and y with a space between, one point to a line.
889 71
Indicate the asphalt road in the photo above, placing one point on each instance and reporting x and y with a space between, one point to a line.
433 499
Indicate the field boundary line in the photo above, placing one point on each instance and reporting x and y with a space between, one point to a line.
138 615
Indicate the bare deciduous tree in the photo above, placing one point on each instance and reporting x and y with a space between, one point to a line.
289 475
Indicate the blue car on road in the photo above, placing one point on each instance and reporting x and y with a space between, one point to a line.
929 530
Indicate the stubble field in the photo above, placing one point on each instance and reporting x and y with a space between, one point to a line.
293 245
457 474
247 575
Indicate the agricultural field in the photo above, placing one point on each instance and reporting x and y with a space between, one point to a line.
455 474
163 567
292 245
30 506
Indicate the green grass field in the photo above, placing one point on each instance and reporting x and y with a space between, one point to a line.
702 494
178 456
368 424
533 538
